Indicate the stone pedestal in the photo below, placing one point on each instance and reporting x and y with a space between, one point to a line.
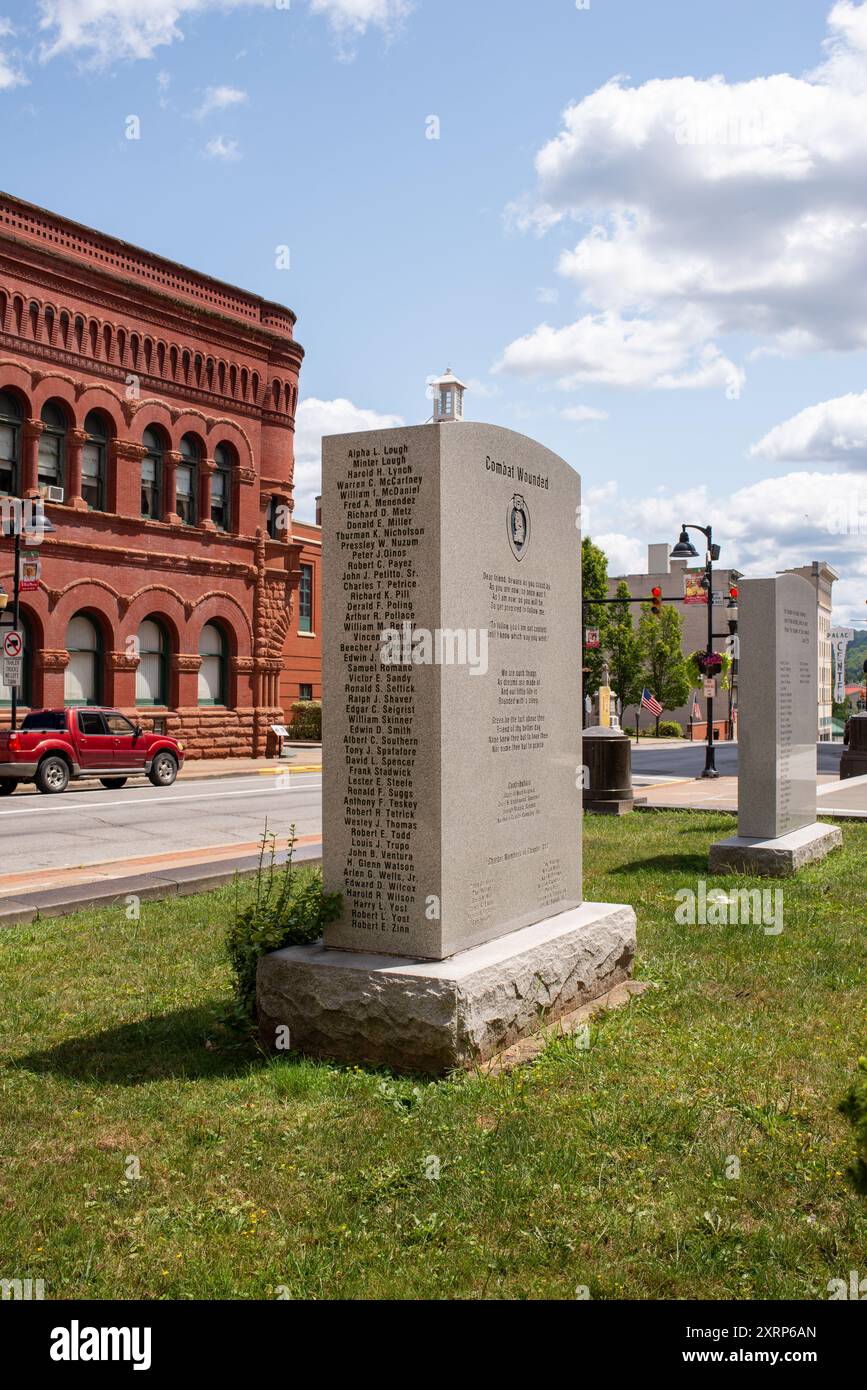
777 732
436 1016
777 857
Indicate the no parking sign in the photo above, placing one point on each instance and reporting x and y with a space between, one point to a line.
12 644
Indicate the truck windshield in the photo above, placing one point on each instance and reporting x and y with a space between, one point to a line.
53 719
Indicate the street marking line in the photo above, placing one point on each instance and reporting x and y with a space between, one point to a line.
278 771
138 801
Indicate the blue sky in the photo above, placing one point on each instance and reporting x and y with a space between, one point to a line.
660 275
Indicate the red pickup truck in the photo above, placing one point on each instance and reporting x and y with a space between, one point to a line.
56 746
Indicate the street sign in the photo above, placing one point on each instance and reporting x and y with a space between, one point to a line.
12 644
12 670
591 638
718 597
840 639
709 687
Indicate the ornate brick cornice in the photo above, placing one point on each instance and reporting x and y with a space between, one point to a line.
122 661
52 660
186 663
126 449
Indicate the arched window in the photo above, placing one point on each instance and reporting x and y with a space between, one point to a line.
52 447
10 443
25 688
212 675
83 679
93 457
152 476
151 679
187 481
221 488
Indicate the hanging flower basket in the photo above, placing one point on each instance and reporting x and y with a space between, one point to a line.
702 664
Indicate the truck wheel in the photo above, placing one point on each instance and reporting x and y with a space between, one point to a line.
7 786
164 770
113 784
52 776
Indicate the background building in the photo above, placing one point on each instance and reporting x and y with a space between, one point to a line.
668 575
302 651
154 409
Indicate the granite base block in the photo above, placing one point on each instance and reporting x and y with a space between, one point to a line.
774 858
436 1016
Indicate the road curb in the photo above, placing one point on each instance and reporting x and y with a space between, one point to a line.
181 882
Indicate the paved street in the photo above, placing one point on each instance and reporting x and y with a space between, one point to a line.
96 827
687 761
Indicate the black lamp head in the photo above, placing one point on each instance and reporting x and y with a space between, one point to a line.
684 550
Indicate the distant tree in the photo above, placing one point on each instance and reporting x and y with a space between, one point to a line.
624 651
594 582
664 665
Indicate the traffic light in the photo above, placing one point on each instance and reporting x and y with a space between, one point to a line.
733 592
656 602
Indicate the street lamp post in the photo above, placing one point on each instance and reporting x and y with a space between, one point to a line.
42 528
685 550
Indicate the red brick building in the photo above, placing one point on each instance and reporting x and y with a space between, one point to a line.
153 408
302 653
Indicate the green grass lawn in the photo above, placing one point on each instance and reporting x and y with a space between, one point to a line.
605 1167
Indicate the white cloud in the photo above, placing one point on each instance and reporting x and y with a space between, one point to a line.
10 75
220 99
579 413
218 148
769 525
105 31
616 351
314 419
356 16
833 431
708 208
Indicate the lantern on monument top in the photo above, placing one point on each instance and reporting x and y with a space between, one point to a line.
448 397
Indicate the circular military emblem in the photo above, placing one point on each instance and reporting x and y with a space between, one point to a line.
518 526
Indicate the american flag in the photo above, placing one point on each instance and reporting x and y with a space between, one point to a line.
650 702
696 709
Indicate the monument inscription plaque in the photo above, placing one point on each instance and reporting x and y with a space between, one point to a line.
452 699
778 704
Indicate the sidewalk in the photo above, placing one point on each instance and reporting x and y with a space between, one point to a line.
25 896
846 800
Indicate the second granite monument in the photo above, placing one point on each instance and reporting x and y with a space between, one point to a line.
777 731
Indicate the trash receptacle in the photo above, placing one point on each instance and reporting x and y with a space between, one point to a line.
608 772
854 760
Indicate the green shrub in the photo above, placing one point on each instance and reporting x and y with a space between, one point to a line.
854 1107
306 720
289 907
669 728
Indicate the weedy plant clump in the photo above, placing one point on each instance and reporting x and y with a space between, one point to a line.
288 907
